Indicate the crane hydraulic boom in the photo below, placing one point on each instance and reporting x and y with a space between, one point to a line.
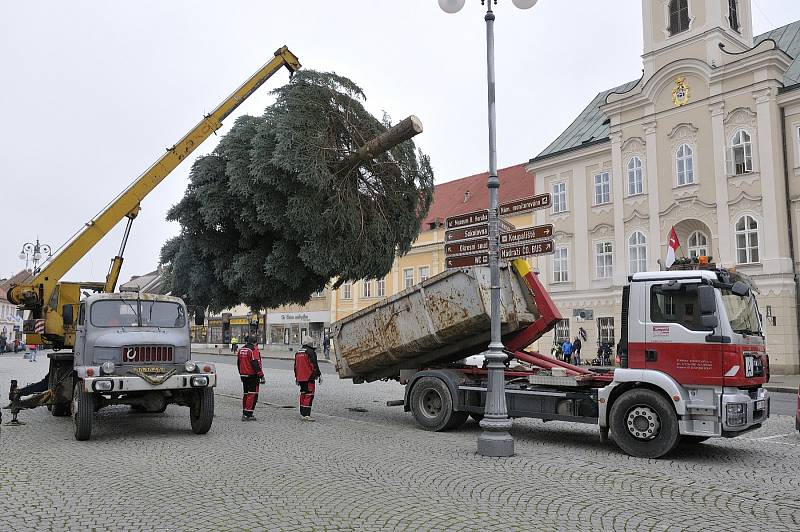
45 296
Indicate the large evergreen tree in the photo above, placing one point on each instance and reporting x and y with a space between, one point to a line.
279 209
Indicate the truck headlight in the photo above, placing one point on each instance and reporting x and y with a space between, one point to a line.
190 366
107 367
102 386
737 414
199 381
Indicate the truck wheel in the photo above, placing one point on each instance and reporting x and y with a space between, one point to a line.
59 408
82 412
201 412
432 405
644 424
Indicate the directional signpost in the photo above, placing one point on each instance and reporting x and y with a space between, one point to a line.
478 231
467 261
521 206
526 250
524 235
467 243
467 246
471 218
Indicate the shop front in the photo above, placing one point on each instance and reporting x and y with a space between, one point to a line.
289 327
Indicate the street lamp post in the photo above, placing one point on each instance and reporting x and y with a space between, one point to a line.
495 439
33 253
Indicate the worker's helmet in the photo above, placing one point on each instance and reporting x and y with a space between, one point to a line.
309 341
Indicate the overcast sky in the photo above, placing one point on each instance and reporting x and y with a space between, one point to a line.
94 91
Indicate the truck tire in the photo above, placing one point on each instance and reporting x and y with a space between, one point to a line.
644 424
82 412
201 412
432 405
59 408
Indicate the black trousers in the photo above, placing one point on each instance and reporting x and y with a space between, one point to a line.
250 385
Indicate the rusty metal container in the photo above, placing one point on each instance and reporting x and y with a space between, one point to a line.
442 319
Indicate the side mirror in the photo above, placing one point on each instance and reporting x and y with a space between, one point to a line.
708 300
740 289
708 307
199 317
67 315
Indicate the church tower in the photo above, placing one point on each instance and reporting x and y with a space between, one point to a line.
675 29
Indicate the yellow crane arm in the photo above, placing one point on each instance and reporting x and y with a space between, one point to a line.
39 290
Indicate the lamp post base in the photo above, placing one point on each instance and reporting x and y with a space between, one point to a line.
492 443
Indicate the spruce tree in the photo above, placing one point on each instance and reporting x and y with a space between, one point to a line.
279 209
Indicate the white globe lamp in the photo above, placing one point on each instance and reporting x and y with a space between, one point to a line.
451 6
524 4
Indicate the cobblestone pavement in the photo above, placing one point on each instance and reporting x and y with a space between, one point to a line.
373 470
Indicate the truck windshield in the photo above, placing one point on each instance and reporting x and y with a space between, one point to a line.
123 313
742 312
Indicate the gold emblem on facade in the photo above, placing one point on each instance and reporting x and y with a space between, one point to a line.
680 94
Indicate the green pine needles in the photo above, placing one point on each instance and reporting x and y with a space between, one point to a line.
273 214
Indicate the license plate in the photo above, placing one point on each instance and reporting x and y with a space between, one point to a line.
748 366
760 405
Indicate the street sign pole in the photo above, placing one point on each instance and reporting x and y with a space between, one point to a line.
495 439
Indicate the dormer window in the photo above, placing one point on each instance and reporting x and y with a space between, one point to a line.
678 16
733 14
466 196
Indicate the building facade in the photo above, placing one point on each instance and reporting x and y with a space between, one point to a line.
707 142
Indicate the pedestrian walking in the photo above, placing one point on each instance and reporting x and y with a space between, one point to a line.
566 349
32 356
326 347
251 371
576 351
306 371
234 344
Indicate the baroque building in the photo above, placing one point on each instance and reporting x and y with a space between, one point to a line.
707 142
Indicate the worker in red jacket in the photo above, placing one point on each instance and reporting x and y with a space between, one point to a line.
248 358
306 371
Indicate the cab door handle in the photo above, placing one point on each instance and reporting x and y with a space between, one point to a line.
650 355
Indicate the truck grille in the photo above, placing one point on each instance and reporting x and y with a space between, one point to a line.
146 353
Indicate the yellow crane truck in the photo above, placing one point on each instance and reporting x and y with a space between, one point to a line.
146 362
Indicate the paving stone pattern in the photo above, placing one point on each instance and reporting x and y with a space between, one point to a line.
372 470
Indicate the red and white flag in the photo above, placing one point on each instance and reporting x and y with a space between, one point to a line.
672 247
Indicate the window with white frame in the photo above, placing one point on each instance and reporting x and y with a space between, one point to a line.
602 188
366 288
605 331
381 287
698 244
635 176
684 161
746 240
560 265
408 277
424 273
678 16
604 259
740 153
562 331
559 197
347 291
733 14
637 252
